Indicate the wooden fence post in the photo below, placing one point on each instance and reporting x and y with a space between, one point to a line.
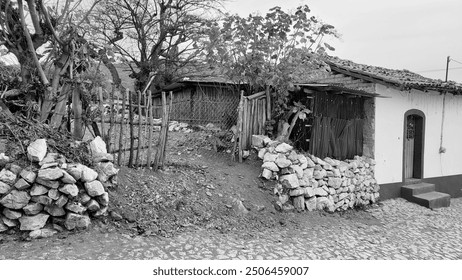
146 114
101 109
132 132
238 128
111 121
119 155
164 127
150 112
165 140
139 131
268 103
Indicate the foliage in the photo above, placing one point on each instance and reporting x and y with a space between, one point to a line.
157 37
21 132
275 50
42 33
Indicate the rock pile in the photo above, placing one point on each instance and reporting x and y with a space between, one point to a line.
179 126
306 182
51 193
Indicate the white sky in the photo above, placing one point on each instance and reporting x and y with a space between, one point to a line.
416 35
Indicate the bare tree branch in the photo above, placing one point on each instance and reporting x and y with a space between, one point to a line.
30 44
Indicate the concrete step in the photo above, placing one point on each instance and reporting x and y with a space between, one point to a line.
408 191
432 200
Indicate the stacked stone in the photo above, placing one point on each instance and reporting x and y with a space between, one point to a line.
54 191
306 182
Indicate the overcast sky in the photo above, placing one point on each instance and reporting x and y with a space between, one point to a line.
416 35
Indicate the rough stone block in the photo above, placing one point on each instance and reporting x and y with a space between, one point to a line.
33 222
74 221
37 150
283 148
97 146
94 188
42 199
299 203
11 214
270 157
88 174
289 181
68 178
4 188
62 200
70 189
47 183
270 166
7 177
50 174
21 184
32 208
29 176
15 199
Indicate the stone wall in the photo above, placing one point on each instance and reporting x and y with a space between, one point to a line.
306 182
50 194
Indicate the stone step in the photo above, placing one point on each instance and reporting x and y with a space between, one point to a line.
408 191
432 200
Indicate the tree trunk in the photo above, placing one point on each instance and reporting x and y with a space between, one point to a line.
77 108
60 108
47 103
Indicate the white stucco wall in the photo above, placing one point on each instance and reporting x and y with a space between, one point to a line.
389 125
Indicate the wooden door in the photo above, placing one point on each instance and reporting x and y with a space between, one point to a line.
409 147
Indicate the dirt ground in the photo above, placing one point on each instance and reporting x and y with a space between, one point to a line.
202 188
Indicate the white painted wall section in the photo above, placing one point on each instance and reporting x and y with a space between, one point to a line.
389 126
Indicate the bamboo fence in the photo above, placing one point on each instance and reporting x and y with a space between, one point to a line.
253 112
130 131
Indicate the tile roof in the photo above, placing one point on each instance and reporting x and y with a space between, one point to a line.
403 79
203 73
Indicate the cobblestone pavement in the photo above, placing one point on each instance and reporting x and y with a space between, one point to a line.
396 229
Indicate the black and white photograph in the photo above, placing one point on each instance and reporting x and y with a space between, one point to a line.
221 139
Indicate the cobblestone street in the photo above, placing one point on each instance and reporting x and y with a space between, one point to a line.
398 230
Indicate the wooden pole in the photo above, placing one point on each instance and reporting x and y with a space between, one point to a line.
169 110
164 127
262 116
150 112
111 122
121 133
238 127
132 132
254 117
101 109
137 160
242 137
145 123
268 103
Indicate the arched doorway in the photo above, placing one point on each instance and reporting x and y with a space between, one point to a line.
413 152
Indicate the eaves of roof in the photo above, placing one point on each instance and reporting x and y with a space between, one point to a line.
337 88
400 79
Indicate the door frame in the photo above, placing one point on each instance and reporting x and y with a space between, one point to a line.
419 144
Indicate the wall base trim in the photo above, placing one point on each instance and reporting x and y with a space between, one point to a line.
451 185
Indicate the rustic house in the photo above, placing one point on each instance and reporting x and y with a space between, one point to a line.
202 100
410 125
